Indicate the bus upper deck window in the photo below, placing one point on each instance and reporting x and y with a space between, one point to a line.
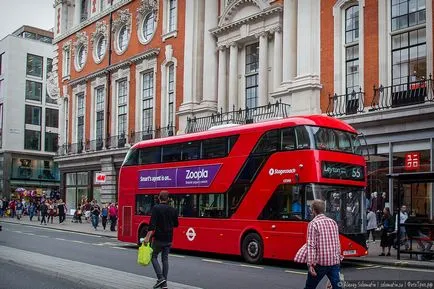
131 158
288 139
302 137
268 142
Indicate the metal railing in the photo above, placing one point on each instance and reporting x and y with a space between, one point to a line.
346 104
161 132
240 116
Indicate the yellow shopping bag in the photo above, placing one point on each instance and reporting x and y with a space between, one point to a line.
144 255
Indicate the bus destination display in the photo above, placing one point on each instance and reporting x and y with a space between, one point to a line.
332 170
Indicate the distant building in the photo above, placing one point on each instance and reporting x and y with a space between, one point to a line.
29 117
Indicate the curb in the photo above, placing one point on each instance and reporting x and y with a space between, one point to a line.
60 229
396 263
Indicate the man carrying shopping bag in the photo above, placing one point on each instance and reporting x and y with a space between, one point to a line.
163 219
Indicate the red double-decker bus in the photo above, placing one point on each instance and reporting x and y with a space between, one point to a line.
246 190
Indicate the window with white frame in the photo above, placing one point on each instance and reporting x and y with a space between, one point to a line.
352 82
409 50
66 61
80 119
148 27
122 107
80 58
100 48
252 65
147 101
123 38
99 113
171 95
172 15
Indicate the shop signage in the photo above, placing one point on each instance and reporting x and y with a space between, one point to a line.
184 177
100 178
412 161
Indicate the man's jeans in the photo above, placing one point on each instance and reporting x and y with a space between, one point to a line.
164 248
95 220
332 272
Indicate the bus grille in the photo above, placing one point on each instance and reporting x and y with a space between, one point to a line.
126 221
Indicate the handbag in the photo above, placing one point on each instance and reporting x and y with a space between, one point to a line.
144 255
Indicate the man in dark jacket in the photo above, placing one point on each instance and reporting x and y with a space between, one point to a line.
163 219
44 212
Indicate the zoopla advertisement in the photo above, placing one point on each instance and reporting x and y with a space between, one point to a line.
184 177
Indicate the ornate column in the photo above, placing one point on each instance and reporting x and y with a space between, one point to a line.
222 84
277 58
77 12
209 88
289 57
233 76
263 69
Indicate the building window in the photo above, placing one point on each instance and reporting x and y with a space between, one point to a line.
407 13
66 120
352 50
33 90
252 64
32 140
80 118
50 142
100 49
103 5
51 117
123 38
171 96
99 105
172 16
34 65
66 62
122 107
148 27
1 63
80 59
33 115
49 66
148 101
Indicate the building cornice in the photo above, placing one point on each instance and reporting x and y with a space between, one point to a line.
90 21
253 18
151 53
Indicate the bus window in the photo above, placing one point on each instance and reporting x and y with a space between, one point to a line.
151 155
190 151
335 140
235 196
288 139
251 167
302 136
232 140
284 204
172 153
144 204
132 158
185 204
268 143
214 148
212 206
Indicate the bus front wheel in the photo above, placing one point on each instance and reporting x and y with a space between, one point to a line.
142 233
252 248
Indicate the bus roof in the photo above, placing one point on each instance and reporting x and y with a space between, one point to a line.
314 120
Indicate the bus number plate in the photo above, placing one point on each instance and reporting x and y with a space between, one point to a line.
349 252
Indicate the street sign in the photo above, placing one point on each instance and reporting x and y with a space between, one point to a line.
412 161
100 178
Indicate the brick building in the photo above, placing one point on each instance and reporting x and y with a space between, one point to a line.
137 69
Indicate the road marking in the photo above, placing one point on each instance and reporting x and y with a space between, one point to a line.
177 256
30 234
19 232
119 248
408 269
212 261
251 266
82 272
80 242
368 267
42 236
60 239
296 272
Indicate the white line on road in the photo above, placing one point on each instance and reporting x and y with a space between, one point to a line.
251 266
212 261
80 242
368 267
408 269
177 256
296 272
61 239
19 232
119 248
42 236
30 234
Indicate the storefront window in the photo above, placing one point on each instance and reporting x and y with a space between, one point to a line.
76 188
378 182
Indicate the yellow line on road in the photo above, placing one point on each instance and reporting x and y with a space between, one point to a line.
296 272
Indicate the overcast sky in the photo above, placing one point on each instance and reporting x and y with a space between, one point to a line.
16 13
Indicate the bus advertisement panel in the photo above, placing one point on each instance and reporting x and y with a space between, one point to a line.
247 190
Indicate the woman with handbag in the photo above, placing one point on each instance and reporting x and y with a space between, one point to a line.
387 233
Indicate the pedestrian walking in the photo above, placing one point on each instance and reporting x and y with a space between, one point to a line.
95 211
323 248
19 209
387 229
401 217
104 216
371 218
163 219
50 211
32 210
3 207
61 209
44 212
113 215
12 208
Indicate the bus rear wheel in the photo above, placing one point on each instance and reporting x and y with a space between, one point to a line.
142 234
252 248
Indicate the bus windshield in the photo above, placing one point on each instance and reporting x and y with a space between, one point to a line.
336 140
343 204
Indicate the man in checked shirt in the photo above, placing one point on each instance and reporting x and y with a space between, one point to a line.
323 248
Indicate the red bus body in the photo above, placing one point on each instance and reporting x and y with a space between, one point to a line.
280 239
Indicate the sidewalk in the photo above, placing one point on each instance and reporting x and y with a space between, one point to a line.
67 225
374 250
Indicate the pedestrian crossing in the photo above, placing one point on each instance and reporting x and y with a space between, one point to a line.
82 272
